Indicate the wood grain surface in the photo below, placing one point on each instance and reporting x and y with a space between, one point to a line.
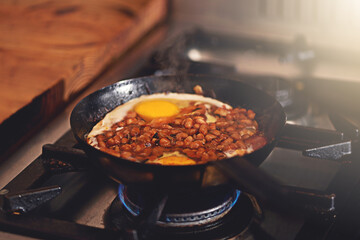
50 50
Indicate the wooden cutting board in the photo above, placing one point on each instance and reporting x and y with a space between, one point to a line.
50 50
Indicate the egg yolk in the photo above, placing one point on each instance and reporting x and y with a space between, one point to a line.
149 110
174 160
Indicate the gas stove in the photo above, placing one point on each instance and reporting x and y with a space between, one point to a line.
61 196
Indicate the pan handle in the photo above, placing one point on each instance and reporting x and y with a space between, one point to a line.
266 188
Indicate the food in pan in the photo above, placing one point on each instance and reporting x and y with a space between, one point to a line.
177 129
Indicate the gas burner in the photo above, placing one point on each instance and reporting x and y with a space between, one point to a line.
288 93
184 210
202 52
210 214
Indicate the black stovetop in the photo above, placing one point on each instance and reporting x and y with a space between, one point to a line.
47 198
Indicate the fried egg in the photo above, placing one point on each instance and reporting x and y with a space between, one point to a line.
153 106
173 158
150 107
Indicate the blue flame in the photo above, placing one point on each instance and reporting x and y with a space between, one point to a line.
133 211
236 198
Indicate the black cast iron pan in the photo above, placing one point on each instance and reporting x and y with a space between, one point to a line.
91 109
239 171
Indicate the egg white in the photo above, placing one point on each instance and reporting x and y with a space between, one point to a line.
118 114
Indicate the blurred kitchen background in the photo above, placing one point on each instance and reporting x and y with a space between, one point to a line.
331 27
332 24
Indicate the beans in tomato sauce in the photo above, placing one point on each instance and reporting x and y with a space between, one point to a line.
233 132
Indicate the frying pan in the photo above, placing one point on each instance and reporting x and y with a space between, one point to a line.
91 109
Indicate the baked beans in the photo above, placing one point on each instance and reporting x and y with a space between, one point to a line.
188 133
